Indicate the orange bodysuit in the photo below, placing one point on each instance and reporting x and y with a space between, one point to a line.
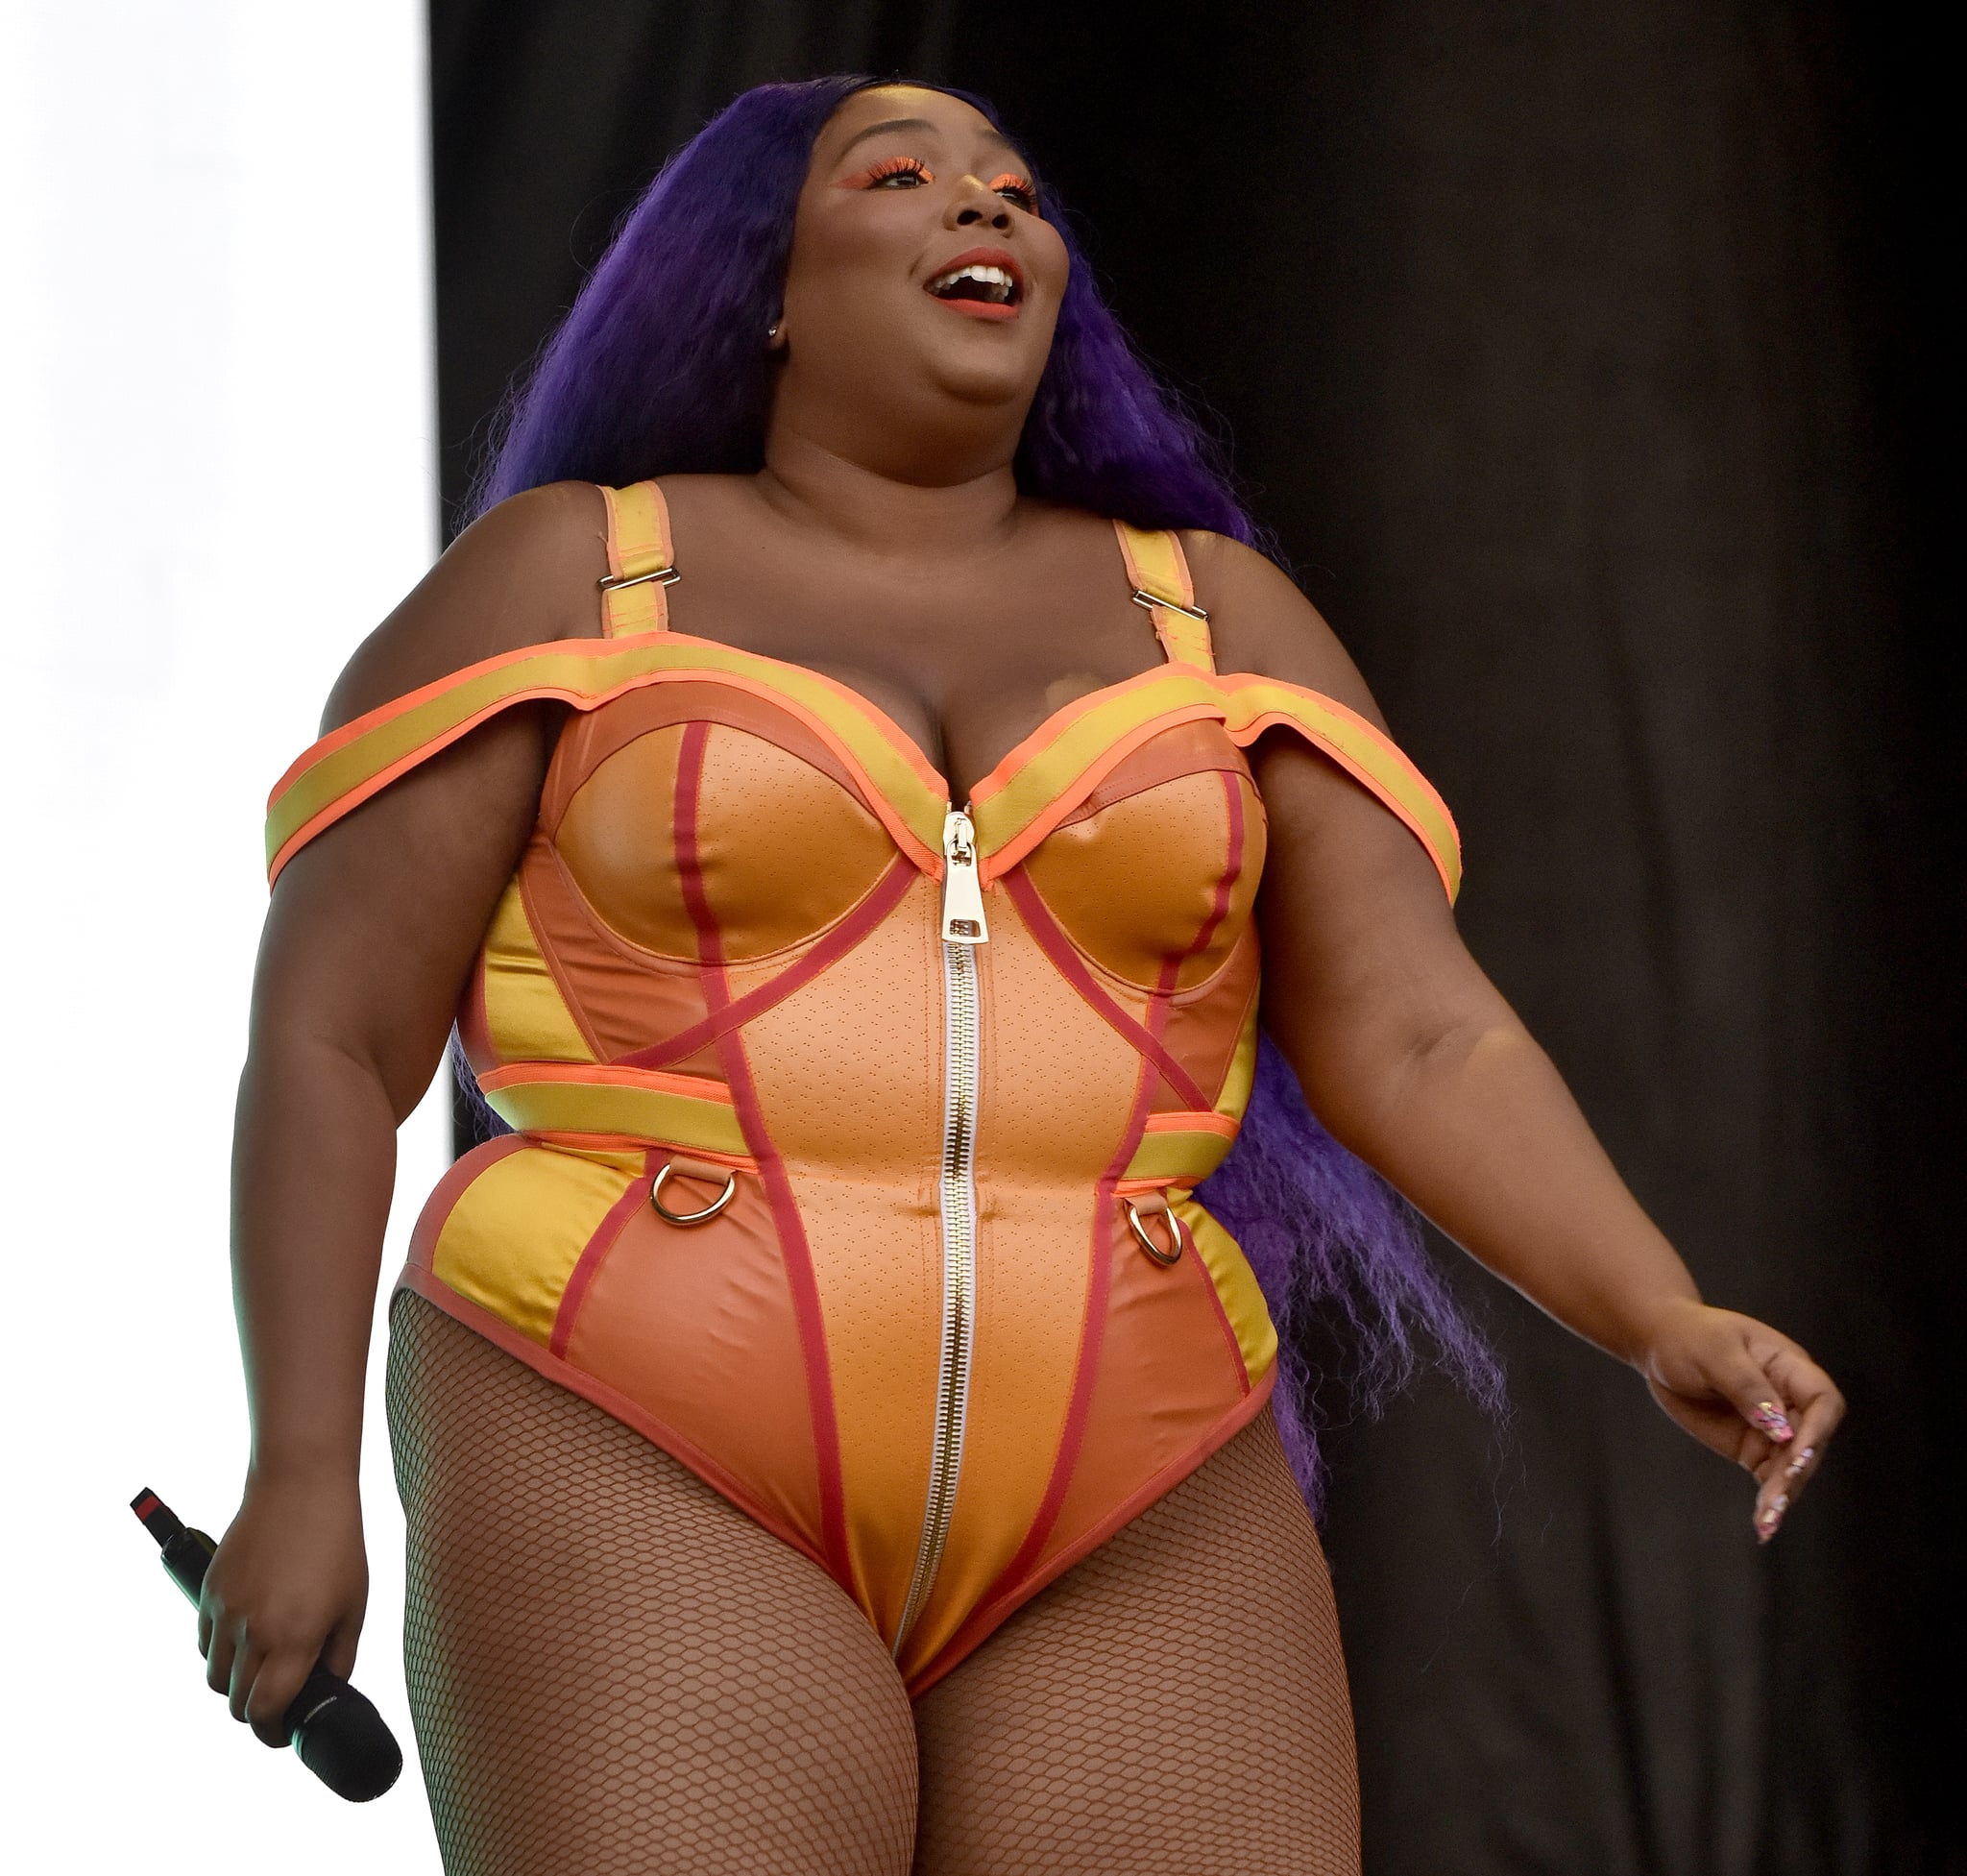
856 1133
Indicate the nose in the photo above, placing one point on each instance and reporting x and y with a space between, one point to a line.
973 205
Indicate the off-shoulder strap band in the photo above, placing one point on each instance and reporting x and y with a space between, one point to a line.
351 764
1018 805
1159 572
642 567
1364 752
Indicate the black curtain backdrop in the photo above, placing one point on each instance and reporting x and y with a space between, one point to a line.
1585 360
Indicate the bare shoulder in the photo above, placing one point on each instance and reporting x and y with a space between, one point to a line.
1261 623
522 573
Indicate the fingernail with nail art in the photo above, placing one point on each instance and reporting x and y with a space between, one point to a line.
1772 1420
1801 1460
1770 1520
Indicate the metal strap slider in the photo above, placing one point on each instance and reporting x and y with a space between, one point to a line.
615 582
1154 602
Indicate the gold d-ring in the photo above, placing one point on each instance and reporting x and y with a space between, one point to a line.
1176 1229
709 1212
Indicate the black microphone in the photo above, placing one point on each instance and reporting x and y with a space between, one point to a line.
341 1737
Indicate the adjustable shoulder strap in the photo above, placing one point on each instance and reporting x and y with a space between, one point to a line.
1159 572
641 567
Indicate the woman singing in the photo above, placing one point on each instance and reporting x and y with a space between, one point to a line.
838 788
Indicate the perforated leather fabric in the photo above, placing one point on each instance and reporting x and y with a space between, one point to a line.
614 1672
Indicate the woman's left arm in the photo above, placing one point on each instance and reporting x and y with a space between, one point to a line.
1411 1058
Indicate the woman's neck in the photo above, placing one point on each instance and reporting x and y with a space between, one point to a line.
883 515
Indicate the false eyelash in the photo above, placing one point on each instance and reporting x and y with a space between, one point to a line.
1022 185
897 166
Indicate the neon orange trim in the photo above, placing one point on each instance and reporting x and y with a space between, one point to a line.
1244 1379
1071 793
1445 854
693 1087
795 1254
1182 693
451 1189
1039 782
369 719
576 1381
1198 1122
593 1255
883 898
650 659
1059 723
1056 947
644 1105
642 1143
599 649
914 840
991 1614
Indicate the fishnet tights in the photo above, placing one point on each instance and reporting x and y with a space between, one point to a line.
1174 1705
614 1672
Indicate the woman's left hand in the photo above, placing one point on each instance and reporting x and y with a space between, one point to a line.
1750 1393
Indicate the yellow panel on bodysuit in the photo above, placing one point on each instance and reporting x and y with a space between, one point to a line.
517 1231
1236 1286
525 1017
1233 1099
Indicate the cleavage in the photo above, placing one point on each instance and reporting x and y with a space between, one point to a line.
964 722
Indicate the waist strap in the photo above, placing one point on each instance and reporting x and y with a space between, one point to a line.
578 1101
1180 1149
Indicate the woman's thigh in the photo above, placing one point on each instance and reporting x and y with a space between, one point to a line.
611 1669
1174 1705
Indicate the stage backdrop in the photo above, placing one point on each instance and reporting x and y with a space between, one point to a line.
1579 356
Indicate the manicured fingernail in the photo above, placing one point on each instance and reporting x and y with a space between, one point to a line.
1770 1519
1773 1421
1796 1465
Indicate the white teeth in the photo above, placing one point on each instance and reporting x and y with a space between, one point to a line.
996 279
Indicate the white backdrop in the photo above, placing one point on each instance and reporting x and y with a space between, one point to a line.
216 474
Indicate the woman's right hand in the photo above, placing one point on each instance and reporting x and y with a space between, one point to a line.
289 1586
369 944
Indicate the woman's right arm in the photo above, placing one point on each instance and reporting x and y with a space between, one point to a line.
371 932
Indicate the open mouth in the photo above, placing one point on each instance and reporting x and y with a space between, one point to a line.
989 284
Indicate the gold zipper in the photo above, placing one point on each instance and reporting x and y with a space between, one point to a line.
963 894
964 929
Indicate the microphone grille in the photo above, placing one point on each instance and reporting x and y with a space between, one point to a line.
347 1744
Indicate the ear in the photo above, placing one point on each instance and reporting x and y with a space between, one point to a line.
775 335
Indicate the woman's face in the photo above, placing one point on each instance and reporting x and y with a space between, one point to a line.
921 270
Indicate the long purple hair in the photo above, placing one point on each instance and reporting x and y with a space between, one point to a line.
661 368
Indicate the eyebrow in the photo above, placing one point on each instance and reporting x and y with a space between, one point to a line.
917 124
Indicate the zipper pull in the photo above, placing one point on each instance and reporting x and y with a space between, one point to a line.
962 897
